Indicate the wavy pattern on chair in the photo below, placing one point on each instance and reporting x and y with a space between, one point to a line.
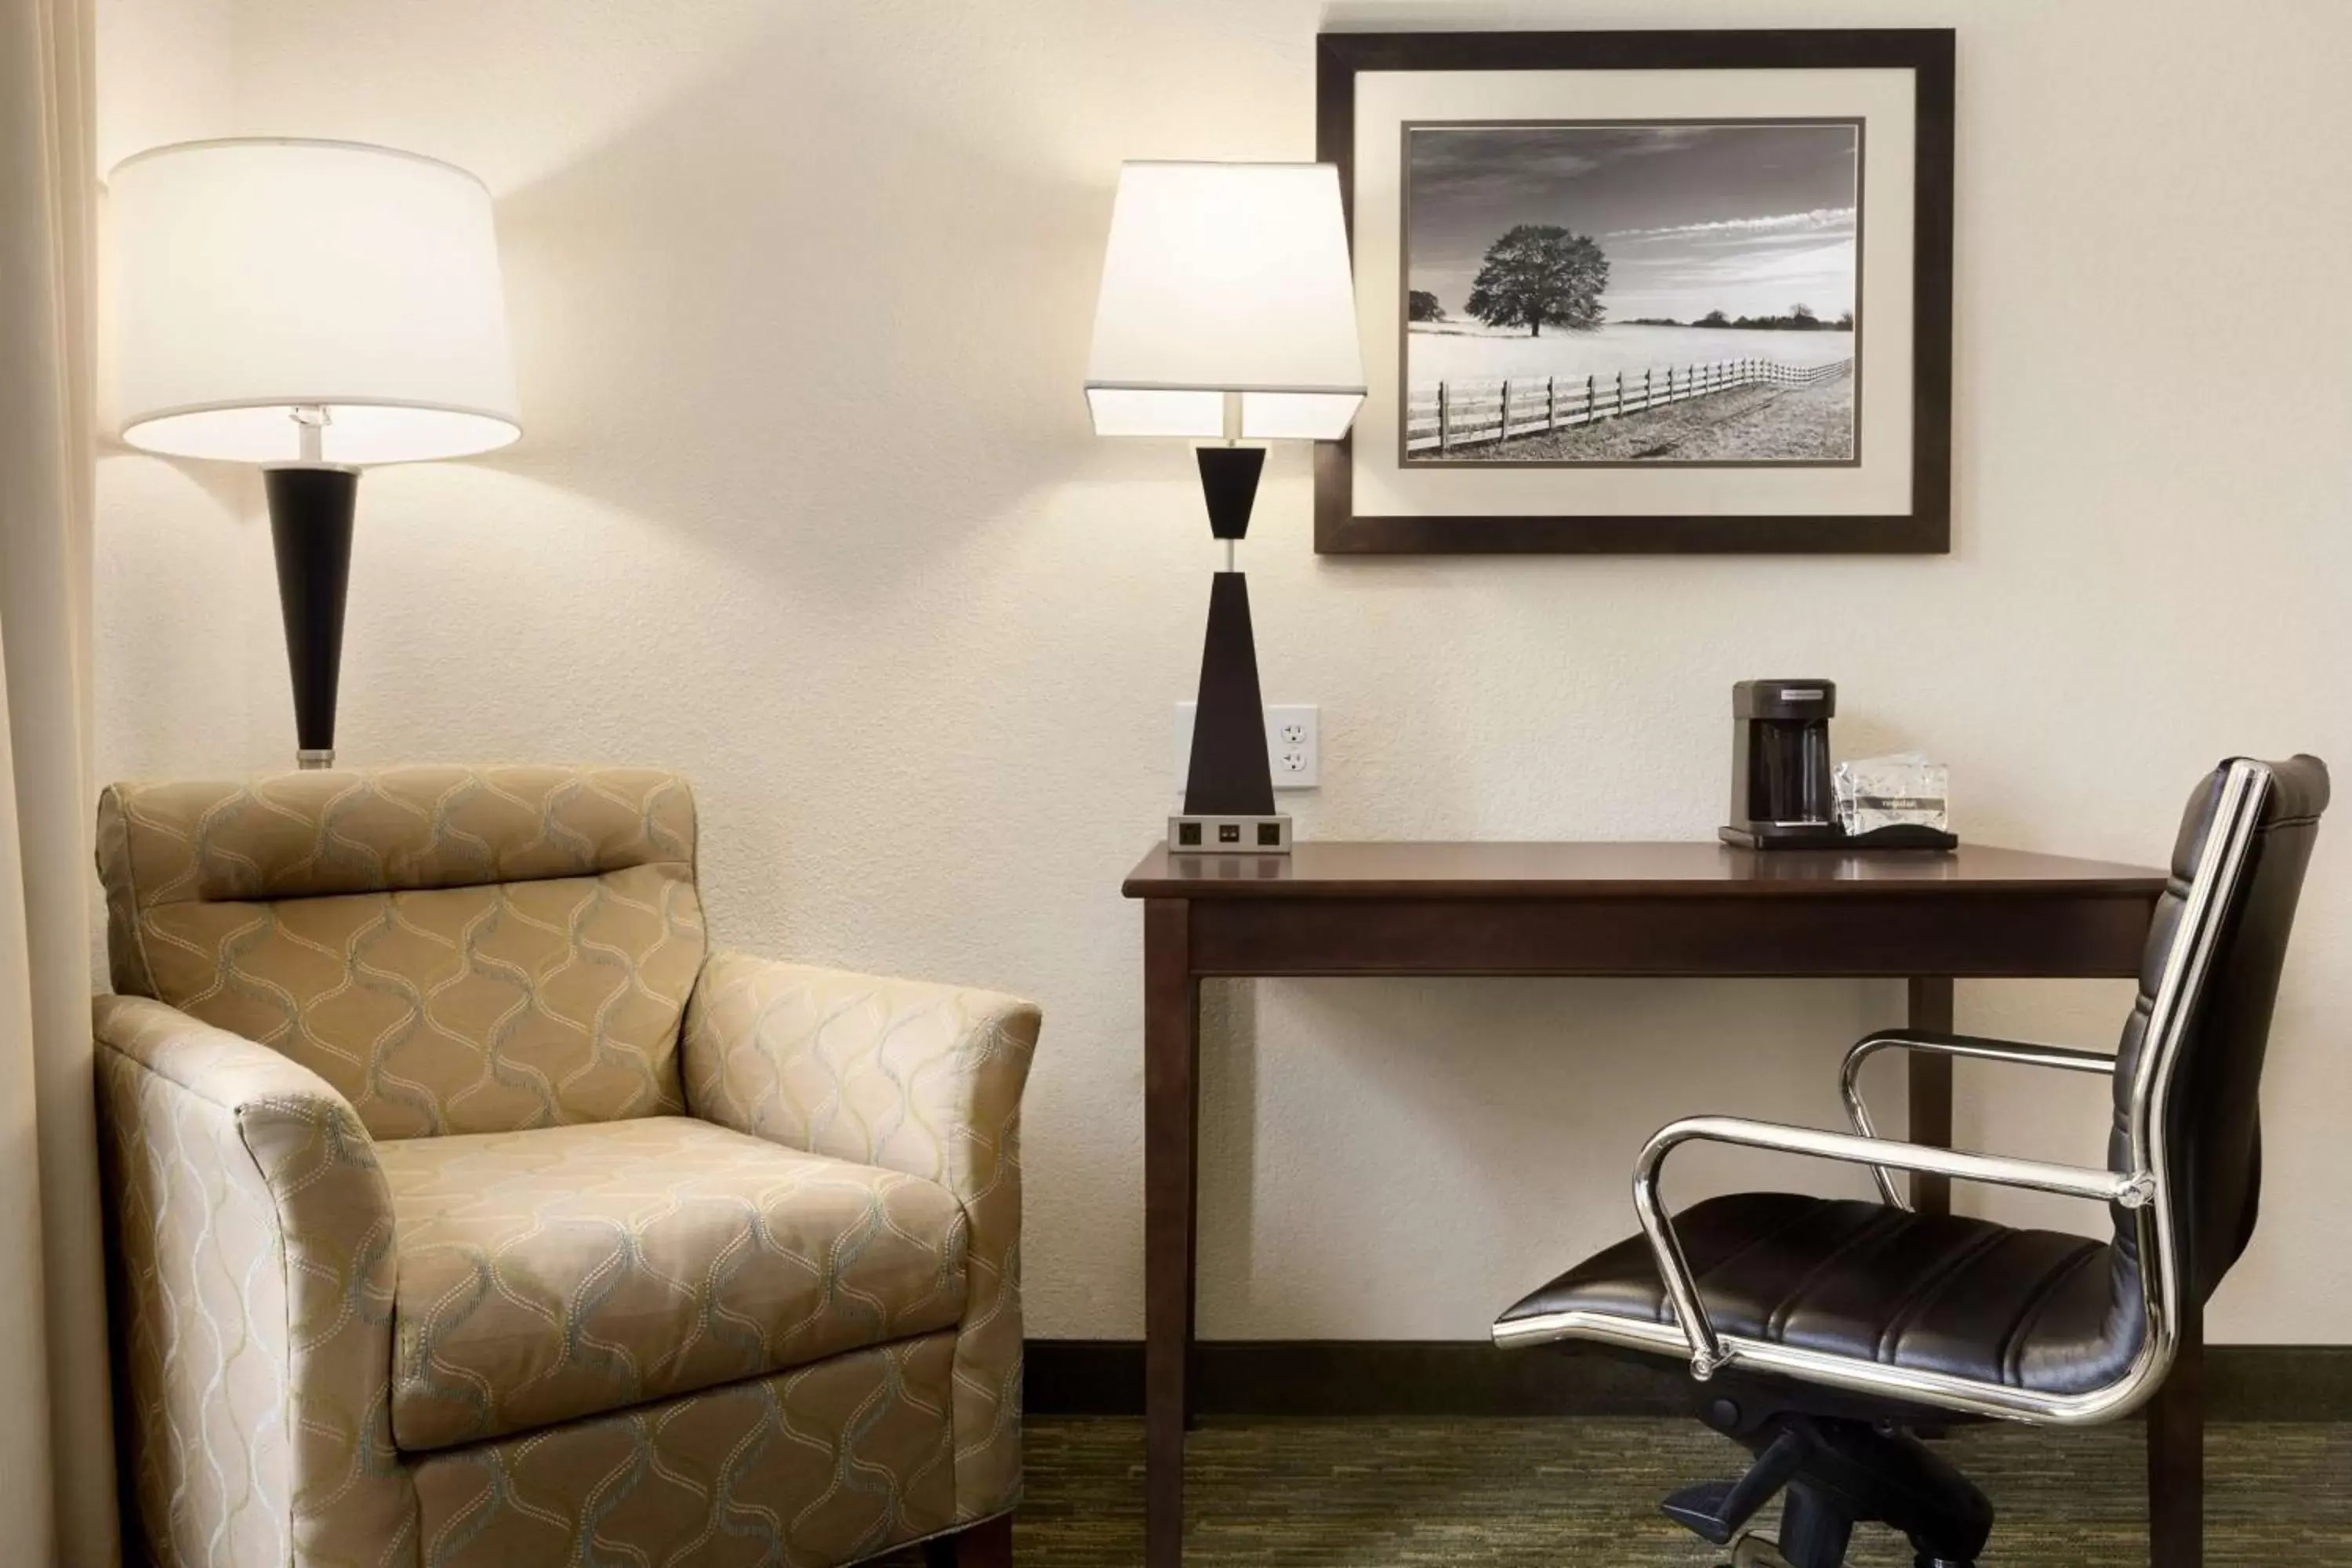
834 1463
448 958
254 1290
316 834
567 1271
455 949
917 1077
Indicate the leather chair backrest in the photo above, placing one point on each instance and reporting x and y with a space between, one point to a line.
2215 1137
455 949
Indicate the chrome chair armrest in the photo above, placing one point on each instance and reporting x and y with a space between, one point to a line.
1975 1047
2129 1190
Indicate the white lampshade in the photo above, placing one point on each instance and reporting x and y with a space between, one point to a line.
1226 277
254 278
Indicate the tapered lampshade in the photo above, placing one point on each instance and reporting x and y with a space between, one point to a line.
1226 277
257 277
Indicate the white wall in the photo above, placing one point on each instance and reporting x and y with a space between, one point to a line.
177 546
807 506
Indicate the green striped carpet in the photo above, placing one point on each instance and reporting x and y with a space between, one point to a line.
1583 1494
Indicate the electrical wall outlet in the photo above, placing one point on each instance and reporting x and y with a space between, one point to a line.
1293 744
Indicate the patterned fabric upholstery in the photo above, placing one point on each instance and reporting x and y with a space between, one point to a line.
568 1272
916 1078
833 1463
455 949
403 1151
252 1245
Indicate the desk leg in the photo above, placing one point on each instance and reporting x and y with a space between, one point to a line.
1171 1102
2176 1454
1931 1089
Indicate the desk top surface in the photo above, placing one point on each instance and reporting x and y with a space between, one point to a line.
1679 870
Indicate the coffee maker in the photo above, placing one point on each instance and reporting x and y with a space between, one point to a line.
1782 797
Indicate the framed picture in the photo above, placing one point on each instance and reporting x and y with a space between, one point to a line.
1633 293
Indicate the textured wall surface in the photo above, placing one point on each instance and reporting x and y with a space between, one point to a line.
807 506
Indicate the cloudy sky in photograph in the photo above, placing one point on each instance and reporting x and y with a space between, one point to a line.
1745 219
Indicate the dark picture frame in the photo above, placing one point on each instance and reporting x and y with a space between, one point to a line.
1925 528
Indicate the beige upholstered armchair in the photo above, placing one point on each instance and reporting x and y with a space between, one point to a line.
464 1208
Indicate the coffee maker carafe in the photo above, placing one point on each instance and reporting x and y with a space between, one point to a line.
1781 755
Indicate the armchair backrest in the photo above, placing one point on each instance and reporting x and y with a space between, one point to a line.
2213 1132
454 949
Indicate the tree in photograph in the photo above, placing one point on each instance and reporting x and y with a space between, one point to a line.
1713 318
1421 305
1803 315
1540 275
1845 321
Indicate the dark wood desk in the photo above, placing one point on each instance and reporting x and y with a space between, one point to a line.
1567 909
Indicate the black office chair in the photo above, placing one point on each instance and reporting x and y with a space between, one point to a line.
1821 1331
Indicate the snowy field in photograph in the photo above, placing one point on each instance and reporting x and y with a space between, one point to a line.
1465 350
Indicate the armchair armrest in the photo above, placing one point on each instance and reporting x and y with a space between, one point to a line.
253 1233
2127 1189
906 1074
916 1076
1976 1047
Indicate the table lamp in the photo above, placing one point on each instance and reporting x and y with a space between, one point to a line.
310 307
1227 313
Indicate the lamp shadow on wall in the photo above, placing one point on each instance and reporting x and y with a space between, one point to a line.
786 313
187 622
229 488
800 346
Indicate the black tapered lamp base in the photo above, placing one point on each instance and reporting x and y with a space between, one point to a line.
1229 786
310 513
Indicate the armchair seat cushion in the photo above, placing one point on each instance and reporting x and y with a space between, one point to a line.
565 1271
1942 1293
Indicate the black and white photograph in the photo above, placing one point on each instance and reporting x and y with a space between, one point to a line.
1645 292
1615 293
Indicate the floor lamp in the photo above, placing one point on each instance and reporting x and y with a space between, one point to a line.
1227 314
310 308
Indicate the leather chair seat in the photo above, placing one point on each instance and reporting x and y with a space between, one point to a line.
2033 1309
564 1271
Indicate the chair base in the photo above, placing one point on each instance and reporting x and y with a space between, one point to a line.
988 1544
1756 1551
1837 1472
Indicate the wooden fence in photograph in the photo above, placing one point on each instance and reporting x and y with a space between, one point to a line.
1457 414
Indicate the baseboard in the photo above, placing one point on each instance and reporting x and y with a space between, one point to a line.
1432 1378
